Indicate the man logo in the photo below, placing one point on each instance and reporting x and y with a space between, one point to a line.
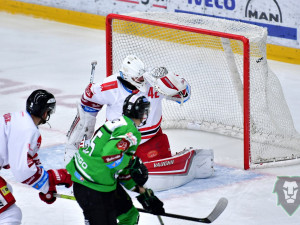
287 189
267 10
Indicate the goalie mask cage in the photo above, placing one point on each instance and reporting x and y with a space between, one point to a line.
234 92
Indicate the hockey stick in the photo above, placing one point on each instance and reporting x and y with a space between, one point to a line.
215 213
93 63
64 196
73 198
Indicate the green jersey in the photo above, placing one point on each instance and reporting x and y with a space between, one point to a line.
105 159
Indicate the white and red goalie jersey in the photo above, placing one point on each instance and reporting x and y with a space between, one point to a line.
113 93
20 142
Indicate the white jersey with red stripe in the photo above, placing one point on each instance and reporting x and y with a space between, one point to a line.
20 142
113 94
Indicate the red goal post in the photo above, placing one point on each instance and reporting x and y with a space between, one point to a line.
132 34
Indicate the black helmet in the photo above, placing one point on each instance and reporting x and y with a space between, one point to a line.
39 102
136 107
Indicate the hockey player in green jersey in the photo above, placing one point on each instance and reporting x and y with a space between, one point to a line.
106 161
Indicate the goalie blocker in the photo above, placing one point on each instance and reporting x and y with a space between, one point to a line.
180 169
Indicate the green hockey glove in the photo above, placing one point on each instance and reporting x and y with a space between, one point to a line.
151 203
138 171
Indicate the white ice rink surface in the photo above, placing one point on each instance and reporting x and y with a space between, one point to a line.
37 53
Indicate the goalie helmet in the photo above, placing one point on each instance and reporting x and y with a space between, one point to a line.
132 70
39 102
136 107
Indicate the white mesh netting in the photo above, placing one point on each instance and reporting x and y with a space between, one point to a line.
214 68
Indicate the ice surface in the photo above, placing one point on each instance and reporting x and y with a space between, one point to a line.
37 53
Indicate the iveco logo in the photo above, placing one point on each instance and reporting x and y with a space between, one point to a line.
267 10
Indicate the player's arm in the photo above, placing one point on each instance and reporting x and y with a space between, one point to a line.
42 180
172 86
91 101
25 165
28 169
46 181
134 175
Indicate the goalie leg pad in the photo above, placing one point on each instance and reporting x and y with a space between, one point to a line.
70 151
170 172
82 126
203 163
180 169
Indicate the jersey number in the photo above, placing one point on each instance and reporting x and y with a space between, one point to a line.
152 94
89 151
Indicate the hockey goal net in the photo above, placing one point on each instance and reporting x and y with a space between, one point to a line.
233 90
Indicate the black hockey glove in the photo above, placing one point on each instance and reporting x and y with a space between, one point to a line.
138 171
151 203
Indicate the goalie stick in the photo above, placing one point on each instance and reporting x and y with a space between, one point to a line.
215 213
93 63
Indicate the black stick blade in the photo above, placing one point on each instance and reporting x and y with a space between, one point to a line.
219 208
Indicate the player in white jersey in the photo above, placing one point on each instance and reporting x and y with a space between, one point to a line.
19 145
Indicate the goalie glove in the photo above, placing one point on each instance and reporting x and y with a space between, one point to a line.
151 203
138 171
169 84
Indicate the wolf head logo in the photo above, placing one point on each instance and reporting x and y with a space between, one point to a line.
288 192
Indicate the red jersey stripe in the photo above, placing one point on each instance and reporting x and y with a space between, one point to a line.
90 104
31 180
148 136
152 127
109 85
